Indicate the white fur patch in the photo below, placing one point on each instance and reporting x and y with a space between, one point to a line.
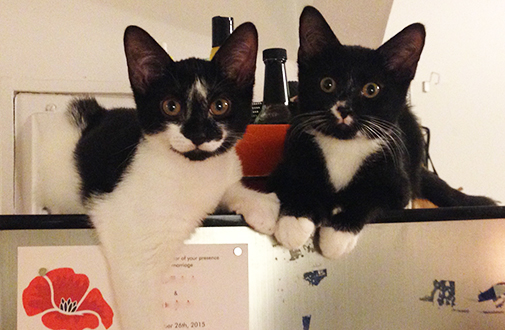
292 232
334 243
197 94
198 90
177 140
336 210
345 157
213 145
180 143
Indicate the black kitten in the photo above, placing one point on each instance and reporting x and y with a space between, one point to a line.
355 149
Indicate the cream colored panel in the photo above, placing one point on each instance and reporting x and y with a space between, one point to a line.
400 276
44 142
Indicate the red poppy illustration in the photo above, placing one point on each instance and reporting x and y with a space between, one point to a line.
66 302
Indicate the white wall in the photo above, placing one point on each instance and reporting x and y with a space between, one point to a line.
357 22
465 112
82 39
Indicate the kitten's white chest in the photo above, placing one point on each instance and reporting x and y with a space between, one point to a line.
345 157
161 185
144 221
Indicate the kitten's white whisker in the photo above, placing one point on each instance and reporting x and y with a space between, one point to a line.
391 137
371 133
130 154
307 122
388 126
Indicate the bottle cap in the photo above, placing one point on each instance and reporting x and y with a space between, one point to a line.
222 27
279 54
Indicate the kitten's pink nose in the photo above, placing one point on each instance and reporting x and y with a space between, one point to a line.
344 117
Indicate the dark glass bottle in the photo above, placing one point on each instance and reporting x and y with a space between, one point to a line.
222 27
275 91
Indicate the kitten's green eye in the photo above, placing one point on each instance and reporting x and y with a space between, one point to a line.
171 107
328 85
220 107
370 90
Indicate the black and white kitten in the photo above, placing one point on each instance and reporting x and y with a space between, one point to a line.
355 149
150 175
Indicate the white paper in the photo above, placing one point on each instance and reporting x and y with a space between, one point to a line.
207 288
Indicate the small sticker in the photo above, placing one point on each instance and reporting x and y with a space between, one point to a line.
315 277
496 293
446 293
295 254
306 322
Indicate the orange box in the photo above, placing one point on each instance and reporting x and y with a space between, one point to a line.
260 150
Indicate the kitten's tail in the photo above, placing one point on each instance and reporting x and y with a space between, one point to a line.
85 111
441 194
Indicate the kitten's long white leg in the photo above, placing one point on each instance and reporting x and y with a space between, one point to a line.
136 284
137 294
335 243
260 210
139 250
292 232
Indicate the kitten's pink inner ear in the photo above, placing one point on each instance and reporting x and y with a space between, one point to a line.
142 70
403 51
315 34
237 57
405 58
146 59
243 65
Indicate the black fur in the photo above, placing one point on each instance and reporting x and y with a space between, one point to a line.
110 137
440 193
106 147
387 179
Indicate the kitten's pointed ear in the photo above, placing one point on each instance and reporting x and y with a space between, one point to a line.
237 56
146 59
402 52
315 33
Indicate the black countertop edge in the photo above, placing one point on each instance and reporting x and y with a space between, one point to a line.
81 221
443 214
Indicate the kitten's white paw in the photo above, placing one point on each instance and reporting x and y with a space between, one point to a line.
334 243
292 232
260 211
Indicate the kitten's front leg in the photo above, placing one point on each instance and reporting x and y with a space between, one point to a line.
334 243
139 249
137 293
292 232
299 213
259 210
340 236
